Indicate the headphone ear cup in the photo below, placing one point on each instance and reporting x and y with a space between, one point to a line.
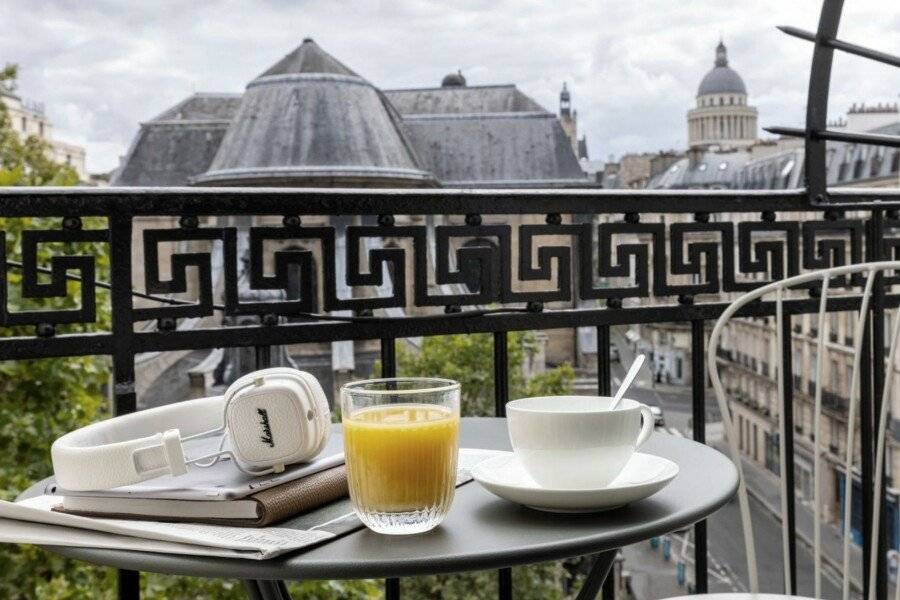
292 411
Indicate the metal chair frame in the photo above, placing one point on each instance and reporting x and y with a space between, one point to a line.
778 288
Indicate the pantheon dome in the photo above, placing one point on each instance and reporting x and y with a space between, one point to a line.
721 117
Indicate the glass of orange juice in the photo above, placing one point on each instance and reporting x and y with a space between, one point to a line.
401 440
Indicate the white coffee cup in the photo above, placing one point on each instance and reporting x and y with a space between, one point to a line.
576 442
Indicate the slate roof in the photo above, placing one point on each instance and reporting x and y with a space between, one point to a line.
202 107
491 135
308 57
309 120
845 164
178 144
460 100
502 149
780 171
711 170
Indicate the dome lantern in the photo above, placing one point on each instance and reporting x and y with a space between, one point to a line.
722 79
721 55
454 80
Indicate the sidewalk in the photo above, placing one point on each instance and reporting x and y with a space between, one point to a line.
651 576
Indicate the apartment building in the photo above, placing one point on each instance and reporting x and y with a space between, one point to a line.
30 118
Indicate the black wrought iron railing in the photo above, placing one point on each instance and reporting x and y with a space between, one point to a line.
548 260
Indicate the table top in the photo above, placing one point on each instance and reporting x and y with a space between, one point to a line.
481 531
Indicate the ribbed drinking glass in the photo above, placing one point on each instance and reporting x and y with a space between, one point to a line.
401 441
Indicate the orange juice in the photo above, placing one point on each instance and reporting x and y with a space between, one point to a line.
401 457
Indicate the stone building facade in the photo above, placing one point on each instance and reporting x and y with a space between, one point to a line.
30 118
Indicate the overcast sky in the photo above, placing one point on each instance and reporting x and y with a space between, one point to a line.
102 67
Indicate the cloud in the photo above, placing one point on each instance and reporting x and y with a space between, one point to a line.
102 67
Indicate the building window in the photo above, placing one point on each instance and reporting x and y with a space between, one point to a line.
755 434
849 376
842 171
772 453
875 165
24 124
888 331
836 377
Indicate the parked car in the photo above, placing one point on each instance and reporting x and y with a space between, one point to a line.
658 419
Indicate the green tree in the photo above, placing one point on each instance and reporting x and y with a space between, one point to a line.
26 161
41 399
469 359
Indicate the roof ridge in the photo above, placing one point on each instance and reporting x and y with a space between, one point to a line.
453 88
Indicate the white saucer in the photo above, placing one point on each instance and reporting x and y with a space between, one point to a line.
643 476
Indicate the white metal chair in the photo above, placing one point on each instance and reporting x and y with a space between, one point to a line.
778 289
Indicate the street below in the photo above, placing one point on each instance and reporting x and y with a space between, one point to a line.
654 577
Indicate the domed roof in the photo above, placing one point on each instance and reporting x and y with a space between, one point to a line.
454 80
722 79
310 120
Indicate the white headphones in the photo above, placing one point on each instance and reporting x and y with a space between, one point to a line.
273 417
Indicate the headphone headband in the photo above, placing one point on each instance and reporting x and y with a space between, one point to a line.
274 417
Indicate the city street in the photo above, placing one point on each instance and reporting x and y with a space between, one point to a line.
652 577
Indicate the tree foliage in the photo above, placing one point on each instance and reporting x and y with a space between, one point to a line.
42 399
26 161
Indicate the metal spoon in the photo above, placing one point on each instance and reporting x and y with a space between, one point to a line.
626 383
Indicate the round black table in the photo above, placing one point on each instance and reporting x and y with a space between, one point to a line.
482 531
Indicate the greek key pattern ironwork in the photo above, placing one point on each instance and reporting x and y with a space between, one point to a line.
454 265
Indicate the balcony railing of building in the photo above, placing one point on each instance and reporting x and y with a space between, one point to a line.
549 260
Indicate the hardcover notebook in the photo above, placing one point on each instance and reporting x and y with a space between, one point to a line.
259 509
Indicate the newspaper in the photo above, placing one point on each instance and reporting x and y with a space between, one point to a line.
70 531
32 521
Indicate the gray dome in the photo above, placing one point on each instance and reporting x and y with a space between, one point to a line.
309 120
722 79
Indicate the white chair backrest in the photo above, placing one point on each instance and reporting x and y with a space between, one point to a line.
778 289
